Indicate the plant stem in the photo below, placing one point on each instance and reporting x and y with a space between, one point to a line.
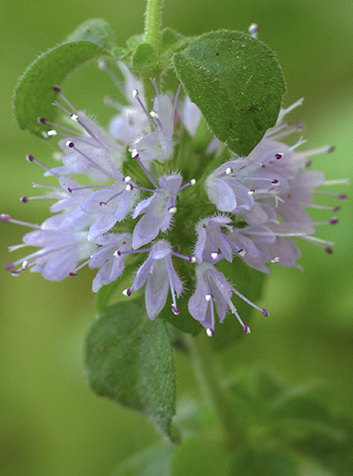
153 23
208 373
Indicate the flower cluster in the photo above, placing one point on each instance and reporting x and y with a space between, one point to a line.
129 192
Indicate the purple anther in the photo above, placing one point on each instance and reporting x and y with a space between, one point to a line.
41 120
308 163
329 250
246 330
70 144
279 156
9 266
4 218
24 199
30 158
175 310
275 181
56 89
102 203
69 189
264 312
336 209
72 273
331 149
333 221
342 197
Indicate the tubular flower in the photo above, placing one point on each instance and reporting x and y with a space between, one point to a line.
140 189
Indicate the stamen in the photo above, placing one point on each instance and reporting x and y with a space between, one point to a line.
135 155
210 332
31 159
172 210
127 292
7 218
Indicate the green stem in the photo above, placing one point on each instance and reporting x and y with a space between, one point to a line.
153 23
208 373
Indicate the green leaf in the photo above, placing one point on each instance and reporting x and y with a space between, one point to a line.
249 282
247 462
152 461
171 40
34 94
236 82
144 57
95 31
129 359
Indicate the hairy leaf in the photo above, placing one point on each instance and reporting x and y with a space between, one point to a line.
130 360
236 82
34 94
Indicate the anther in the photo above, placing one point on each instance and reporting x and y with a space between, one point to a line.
279 156
264 312
52 133
154 114
175 310
329 250
9 266
192 182
192 259
172 210
134 154
246 329
333 221
56 89
127 292
229 170
251 191
127 179
214 255
135 93
72 273
24 199
129 187
41 120
210 332
275 182
208 297
275 260
70 144
253 29
30 158
331 149
4 218
74 117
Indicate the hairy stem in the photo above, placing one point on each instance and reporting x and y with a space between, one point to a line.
208 373
153 23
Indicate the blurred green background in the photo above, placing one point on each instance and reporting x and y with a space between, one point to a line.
50 423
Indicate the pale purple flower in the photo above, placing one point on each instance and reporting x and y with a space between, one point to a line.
214 291
109 206
88 149
158 274
109 258
157 210
158 144
59 254
212 243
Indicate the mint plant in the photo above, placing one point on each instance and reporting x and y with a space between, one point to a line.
181 207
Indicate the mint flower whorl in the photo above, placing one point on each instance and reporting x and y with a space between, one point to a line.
132 190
